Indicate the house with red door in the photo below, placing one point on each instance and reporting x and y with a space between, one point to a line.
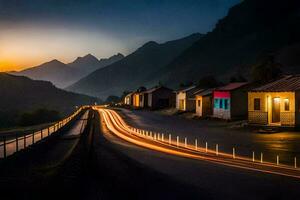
231 101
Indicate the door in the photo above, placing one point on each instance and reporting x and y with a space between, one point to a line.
276 110
181 104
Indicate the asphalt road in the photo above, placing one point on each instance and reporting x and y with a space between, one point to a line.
284 144
97 164
214 180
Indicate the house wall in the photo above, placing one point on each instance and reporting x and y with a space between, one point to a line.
239 104
199 107
136 100
162 98
219 110
180 96
264 115
190 105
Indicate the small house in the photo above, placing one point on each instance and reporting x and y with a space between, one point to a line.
128 99
139 98
204 102
185 99
230 101
276 103
159 97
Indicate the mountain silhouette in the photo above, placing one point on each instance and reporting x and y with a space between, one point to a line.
251 29
136 69
20 94
63 75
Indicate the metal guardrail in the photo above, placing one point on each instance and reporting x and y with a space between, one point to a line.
12 144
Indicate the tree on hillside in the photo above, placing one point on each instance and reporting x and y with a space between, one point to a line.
265 70
208 82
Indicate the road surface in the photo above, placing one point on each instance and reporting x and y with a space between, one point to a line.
284 144
224 178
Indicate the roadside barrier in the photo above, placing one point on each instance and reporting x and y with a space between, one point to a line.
184 143
10 144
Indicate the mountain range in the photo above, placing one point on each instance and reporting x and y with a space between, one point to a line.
137 69
63 75
251 29
20 94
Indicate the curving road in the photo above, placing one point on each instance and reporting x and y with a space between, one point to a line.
170 145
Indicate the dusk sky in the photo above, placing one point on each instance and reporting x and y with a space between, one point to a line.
36 31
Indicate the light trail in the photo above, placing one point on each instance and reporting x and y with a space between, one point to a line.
118 127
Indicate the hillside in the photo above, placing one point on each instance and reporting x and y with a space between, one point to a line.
21 94
251 29
63 75
138 68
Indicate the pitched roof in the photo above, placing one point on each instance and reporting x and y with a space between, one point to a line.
151 90
232 86
204 92
285 84
186 89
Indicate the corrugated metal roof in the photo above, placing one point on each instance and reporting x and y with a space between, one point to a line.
231 86
285 84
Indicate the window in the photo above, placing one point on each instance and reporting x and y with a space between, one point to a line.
226 104
257 104
199 103
286 105
221 103
216 103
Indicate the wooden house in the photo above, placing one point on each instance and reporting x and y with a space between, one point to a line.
159 97
276 103
204 102
128 99
185 99
230 101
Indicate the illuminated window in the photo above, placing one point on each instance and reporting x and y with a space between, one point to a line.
257 104
286 104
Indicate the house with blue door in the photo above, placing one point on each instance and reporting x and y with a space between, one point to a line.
231 101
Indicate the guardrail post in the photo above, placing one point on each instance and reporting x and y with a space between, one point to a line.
295 162
196 144
261 157
277 160
177 141
185 142
32 137
206 147
17 143
24 140
170 139
162 137
253 156
233 153
217 149
4 147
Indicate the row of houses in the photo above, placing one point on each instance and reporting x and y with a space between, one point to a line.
273 104
155 98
